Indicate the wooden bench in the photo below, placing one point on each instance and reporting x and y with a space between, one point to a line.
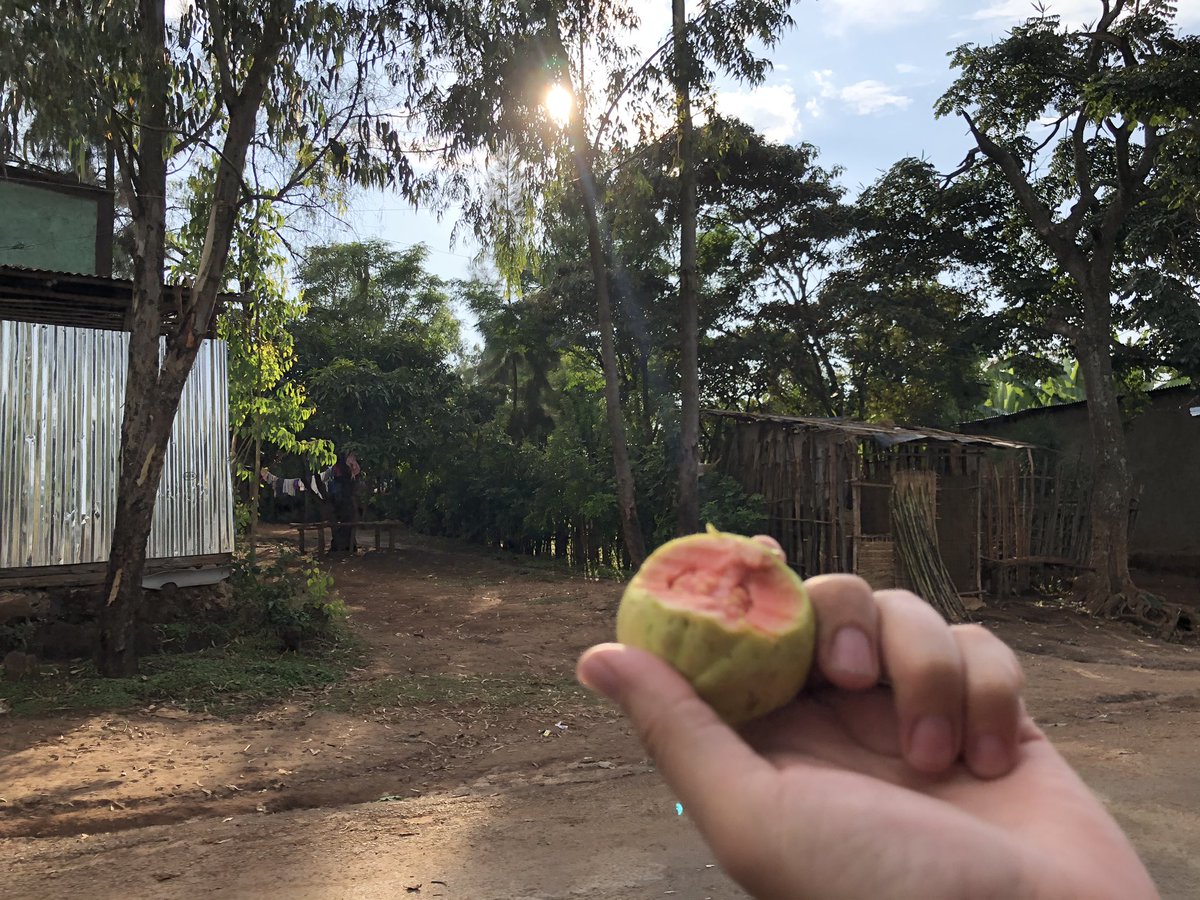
302 529
380 527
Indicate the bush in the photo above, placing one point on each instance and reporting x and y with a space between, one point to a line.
725 504
291 600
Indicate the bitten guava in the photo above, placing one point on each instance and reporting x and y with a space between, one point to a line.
729 614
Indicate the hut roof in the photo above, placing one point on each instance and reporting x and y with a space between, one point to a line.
82 301
884 435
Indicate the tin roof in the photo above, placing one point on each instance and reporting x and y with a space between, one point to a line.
885 435
82 301
1187 393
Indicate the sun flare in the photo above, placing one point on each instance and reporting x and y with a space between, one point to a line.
559 104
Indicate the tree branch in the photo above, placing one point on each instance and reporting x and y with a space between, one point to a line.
1039 214
221 52
1083 178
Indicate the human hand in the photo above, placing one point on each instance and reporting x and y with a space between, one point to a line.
937 784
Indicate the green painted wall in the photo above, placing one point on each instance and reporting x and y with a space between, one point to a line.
45 229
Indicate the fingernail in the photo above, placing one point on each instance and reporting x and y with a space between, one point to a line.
931 747
597 675
989 756
851 653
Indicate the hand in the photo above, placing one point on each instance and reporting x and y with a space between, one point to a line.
937 785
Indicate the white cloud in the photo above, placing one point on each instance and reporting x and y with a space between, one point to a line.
824 82
654 26
872 14
1073 13
770 109
907 68
815 107
870 96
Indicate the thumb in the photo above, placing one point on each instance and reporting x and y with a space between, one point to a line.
707 764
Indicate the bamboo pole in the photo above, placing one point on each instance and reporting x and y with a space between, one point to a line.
914 525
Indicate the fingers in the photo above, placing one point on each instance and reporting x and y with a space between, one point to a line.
847 630
923 660
703 760
957 689
993 701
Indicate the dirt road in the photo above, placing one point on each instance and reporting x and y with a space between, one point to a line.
463 762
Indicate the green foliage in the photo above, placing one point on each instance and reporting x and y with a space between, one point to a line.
727 506
228 679
1089 138
17 635
266 406
374 352
1011 392
291 600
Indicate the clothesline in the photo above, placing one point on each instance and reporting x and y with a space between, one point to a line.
290 487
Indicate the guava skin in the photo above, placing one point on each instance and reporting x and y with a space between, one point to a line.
740 663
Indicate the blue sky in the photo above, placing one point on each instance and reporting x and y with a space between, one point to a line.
857 78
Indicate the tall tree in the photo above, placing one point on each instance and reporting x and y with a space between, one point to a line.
289 81
687 511
775 224
1083 192
505 58
374 352
720 37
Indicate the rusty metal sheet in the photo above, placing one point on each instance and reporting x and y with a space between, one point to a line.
61 399
885 435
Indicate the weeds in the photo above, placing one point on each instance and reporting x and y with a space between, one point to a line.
500 691
223 680
282 633
292 599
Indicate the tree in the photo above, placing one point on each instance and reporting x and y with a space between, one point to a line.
1104 173
911 300
374 352
774 224
265 405
687 512
504 57
722 34
284 81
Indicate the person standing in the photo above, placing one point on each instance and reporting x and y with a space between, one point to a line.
343 481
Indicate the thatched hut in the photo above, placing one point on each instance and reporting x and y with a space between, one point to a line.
899 506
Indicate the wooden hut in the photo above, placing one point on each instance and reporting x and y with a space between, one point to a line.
881 501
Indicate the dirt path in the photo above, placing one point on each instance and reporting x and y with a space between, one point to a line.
462 758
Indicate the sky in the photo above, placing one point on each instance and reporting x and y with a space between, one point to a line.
856 78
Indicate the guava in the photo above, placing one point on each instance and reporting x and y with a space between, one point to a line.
728 614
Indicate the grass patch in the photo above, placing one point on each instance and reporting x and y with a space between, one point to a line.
503 691
224 680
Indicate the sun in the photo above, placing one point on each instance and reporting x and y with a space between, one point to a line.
559 104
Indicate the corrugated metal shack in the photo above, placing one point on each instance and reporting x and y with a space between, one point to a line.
62 376
830 486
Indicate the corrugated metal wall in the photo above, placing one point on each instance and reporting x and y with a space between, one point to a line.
61 395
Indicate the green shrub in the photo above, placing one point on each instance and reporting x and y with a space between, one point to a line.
17 635
291 599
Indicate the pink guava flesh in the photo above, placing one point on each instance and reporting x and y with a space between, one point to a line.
735 581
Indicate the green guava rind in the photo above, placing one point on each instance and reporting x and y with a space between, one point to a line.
742 672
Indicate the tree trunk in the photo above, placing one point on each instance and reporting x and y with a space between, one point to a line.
631 528
687 510
153 389
141 457
252 531
1108 585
